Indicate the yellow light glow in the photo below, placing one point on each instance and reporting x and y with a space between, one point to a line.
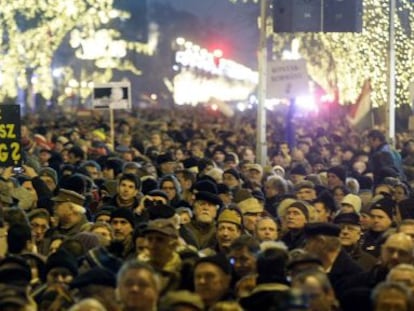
345 60
29 52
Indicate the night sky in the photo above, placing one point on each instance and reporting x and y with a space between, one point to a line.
238 22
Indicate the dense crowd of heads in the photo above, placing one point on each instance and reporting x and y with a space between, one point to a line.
173 212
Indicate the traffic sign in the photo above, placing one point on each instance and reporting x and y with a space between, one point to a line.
287 79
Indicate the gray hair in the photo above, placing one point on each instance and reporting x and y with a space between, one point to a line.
277 182
89 304
138 265
401 267
387 286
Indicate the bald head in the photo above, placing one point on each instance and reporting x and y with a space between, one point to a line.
397 249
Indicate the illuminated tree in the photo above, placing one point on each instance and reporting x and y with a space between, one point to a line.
33 30
343 61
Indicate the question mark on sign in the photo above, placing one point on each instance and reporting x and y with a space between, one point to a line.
15 152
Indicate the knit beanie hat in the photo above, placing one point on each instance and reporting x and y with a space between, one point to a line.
14 270
339 171
387 205
105 210
124 213
302 207
223 189
50 172
298 170
62 259
103 258
88 240
233 172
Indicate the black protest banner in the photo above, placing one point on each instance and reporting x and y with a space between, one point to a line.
10 136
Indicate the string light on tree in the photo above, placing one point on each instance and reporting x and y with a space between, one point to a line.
33 30
343 61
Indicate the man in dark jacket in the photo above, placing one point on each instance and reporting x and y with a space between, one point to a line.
397 249
383 156
381 213
322 240
203 226
272 291
127 192
297 215
275 188
350 235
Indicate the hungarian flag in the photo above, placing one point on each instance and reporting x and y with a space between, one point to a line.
360 113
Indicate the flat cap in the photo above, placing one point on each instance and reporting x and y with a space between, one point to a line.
163 226
250 205
306 184
231 216
65 195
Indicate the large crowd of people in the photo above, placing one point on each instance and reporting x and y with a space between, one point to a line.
174 212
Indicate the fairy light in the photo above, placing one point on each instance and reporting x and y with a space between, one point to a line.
29 50
343 61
